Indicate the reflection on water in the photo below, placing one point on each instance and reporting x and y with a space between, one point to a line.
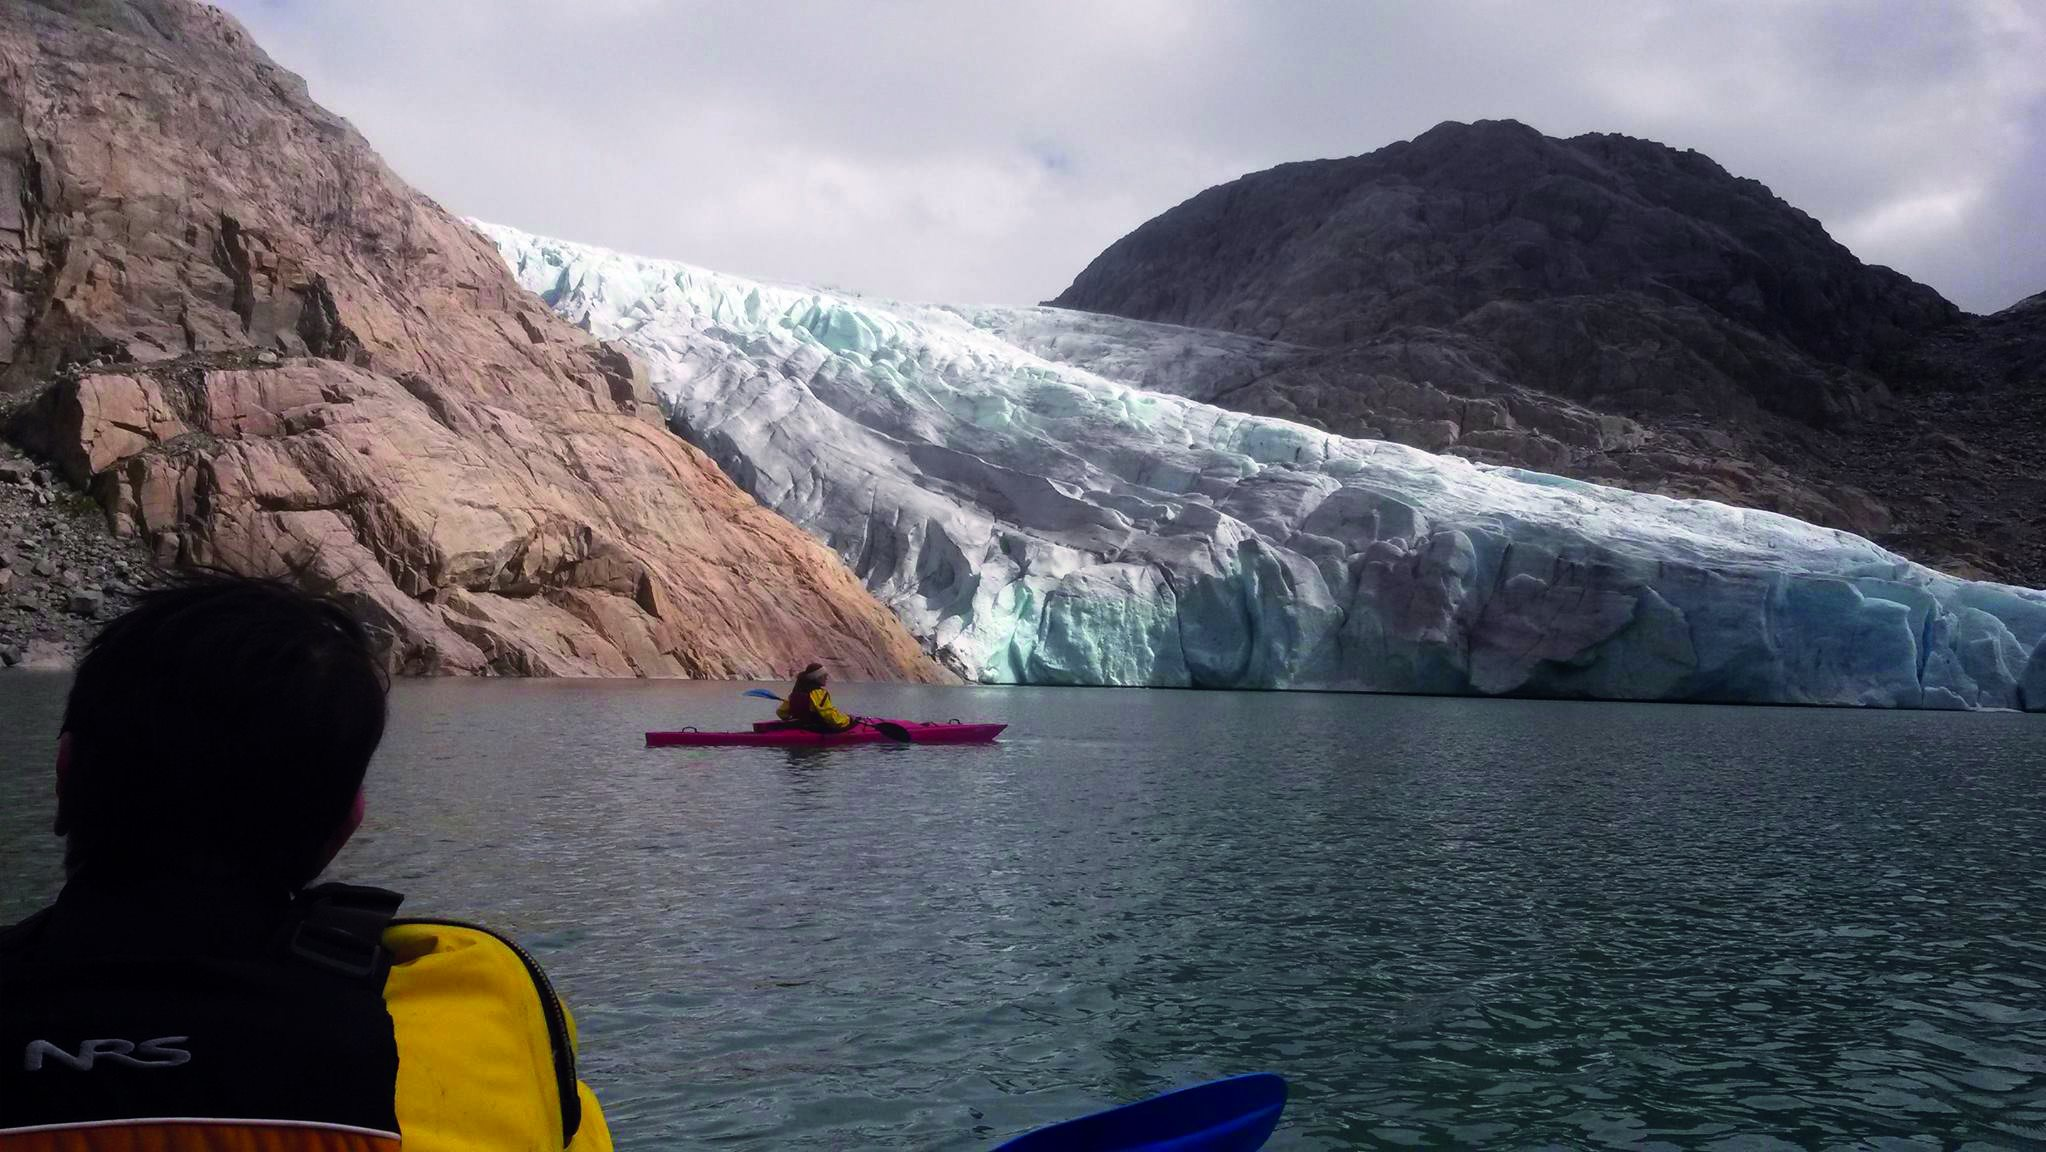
1446 921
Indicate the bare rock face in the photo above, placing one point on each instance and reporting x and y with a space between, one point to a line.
1609 309
263 352
1600 268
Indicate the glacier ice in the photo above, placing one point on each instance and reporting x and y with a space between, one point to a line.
1036 495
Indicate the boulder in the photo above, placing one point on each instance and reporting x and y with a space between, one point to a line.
46 655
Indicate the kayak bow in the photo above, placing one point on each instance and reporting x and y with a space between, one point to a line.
1233 1115
770 735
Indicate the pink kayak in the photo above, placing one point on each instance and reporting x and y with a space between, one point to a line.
773 735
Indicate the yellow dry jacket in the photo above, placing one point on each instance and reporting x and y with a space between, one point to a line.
816 711
478 1065
352 1032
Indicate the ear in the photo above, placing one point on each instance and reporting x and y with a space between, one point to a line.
62 825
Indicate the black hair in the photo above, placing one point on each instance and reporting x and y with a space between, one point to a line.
222 726
809 679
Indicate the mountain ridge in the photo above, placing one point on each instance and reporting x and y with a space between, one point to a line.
1611 309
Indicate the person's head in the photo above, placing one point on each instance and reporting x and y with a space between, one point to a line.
812 678
220 728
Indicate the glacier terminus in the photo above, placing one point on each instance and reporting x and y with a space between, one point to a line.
1043 498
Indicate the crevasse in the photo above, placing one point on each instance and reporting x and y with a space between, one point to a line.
1042 499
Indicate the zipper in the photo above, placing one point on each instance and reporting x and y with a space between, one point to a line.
557 1021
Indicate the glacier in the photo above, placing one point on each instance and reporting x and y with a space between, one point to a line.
1042 498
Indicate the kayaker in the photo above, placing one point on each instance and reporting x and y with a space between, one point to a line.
190 988
809 704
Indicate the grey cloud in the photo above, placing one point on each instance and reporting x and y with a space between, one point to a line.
983 151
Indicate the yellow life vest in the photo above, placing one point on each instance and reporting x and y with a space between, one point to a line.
814 711
477 1067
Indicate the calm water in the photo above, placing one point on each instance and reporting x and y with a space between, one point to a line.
1515 924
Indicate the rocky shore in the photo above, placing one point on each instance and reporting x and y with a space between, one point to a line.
61 571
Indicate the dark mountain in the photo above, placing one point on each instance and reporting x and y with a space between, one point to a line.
1616 310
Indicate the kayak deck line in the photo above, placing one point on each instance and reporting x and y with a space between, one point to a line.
771 734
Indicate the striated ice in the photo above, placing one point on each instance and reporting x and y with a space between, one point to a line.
998 477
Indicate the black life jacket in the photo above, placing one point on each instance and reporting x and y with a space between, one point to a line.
278 1040
203 1046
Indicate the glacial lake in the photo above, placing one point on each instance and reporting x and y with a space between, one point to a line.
1507 923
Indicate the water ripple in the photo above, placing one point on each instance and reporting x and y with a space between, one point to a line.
1515 924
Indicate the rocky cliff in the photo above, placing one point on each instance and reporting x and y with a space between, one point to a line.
223 316
1615 310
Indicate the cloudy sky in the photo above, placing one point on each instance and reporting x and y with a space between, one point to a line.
972 151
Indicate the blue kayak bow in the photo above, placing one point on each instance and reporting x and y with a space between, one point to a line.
1237 1114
